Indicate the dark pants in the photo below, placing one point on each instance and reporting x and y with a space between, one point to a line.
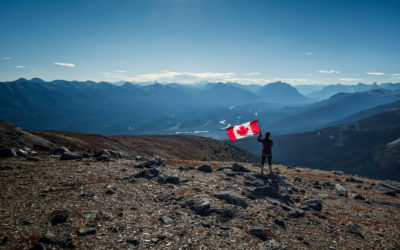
269 157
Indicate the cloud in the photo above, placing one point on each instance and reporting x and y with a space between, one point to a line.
253 74
193 77
375 73
6 58
20 67
329 71
184 77
120 71
350 79
395 74
293 80
71 65
308 53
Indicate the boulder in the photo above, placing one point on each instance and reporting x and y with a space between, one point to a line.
160 179
358 197
205 168
134 242
147 174
236 167
254 183
59 150
70 156
231 199
280 222
337 172
155 161
166 219
59 239
89 217
312 204
340 190
59 218
7 152
111 189
103 157
295 213
138 164
85 155
261 233
21 152
109 153
355 179
274 186
201 207
172 180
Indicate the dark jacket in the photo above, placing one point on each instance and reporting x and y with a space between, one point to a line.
267 145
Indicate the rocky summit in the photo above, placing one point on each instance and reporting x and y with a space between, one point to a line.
85 203
80 196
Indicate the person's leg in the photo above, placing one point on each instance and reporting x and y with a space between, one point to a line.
262 163
270 163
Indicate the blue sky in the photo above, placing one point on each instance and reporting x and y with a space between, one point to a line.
300 42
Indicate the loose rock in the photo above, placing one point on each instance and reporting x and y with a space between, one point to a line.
205 168
236 167
231 199
86 231
70 156
340 190
173 180
260 233
59 218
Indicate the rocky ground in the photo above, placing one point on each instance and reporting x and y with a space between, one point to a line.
48 203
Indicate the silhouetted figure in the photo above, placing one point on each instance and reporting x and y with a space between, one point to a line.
266 151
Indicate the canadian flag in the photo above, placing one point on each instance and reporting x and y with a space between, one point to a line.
243 130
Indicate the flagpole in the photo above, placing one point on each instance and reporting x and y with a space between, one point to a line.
259 125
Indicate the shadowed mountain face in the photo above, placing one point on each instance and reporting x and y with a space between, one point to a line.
369 147
324 113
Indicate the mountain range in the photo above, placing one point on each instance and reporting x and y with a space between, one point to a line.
206 109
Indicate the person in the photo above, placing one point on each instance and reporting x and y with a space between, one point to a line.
266 151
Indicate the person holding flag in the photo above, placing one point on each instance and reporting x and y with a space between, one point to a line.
266 151
249 129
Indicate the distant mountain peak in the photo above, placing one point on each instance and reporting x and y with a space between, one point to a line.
37 80
21 80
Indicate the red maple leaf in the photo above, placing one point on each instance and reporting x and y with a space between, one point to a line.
242 130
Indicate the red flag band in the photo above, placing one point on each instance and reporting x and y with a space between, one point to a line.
243 130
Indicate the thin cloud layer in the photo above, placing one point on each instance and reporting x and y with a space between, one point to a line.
350 79
184 77
20 67
375 73
70 65
329 71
